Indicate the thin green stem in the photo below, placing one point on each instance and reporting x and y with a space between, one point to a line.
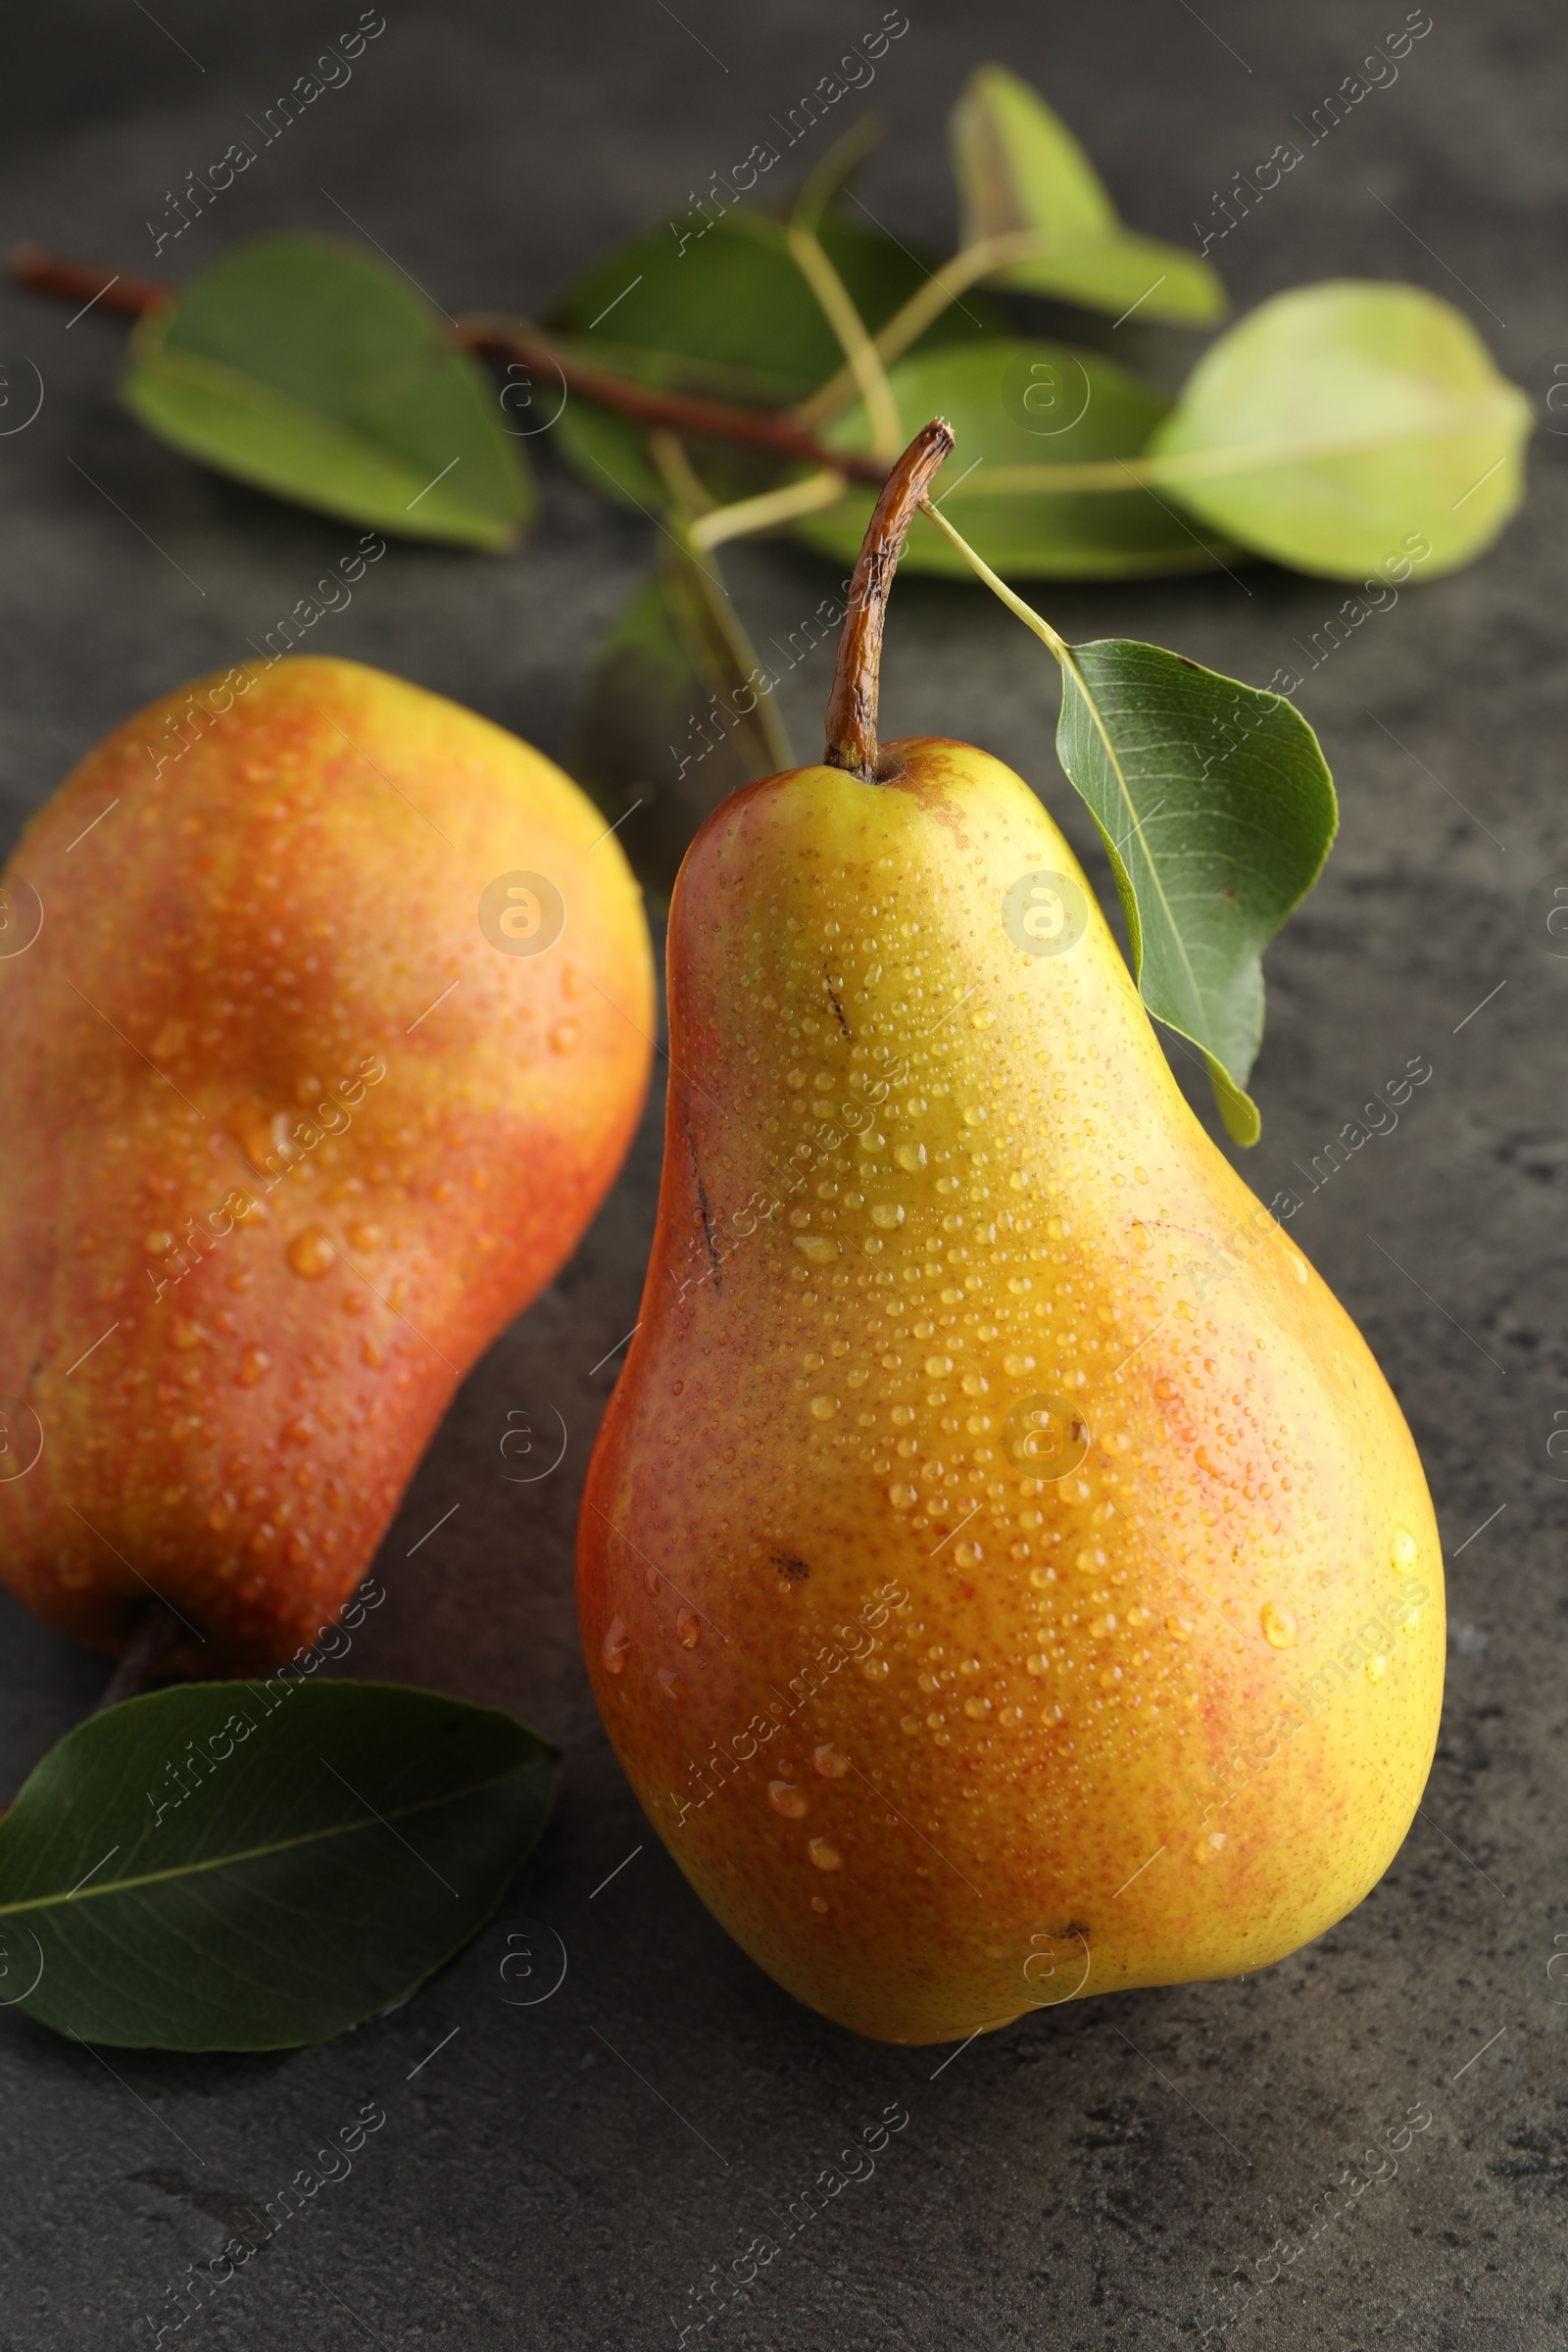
726 625
907 326
768 509
1073 676
677 473
842 160
998 587
861 358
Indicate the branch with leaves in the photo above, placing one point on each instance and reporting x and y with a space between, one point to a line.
1319 432
761 378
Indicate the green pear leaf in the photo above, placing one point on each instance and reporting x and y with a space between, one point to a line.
255 1865
1217 809
726 311
1014 402
1339 425
308 369
1018 168
731 296
677 712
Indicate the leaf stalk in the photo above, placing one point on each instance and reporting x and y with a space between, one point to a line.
997 586
770 509
927 304
860 355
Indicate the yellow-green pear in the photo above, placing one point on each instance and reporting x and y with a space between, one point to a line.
1005 1573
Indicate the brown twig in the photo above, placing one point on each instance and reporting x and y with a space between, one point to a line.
79 282
494 337
852 708
645 403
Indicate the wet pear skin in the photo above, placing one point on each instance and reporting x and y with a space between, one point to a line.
939 1739
261 979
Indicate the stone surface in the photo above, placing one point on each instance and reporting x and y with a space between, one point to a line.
577 2172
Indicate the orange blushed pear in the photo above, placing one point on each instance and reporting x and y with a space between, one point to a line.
319 1044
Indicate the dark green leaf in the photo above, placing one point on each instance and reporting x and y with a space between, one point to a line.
734 298
311 371
1217 808
334 1844
677 712
728 313
1017 403
1342 428
1019 169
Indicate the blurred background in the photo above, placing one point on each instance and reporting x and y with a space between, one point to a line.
576 2164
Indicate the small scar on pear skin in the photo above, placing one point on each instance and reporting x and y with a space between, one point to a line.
833 1000
788 1565
714 1261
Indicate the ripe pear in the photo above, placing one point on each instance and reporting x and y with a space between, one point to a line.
1005 1573
324 1021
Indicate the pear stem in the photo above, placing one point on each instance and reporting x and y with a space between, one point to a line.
153 1634
852 709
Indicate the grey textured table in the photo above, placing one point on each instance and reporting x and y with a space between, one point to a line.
575 2172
